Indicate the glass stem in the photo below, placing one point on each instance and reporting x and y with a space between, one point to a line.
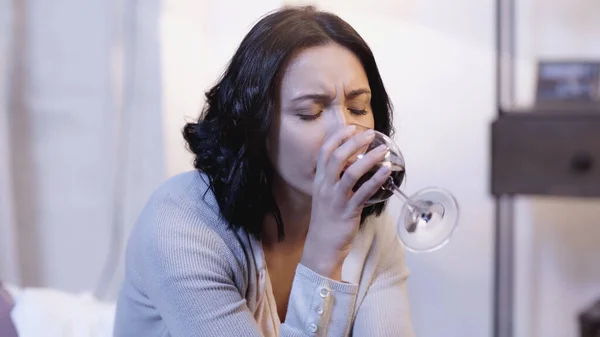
398 193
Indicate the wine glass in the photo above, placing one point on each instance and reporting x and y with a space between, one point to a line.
428 218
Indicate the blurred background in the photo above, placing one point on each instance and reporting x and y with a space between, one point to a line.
94 94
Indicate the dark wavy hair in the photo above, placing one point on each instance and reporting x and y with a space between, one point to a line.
229 139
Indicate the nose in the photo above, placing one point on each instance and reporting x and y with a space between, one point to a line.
339 120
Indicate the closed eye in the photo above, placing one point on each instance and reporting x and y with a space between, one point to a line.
309 117
358 112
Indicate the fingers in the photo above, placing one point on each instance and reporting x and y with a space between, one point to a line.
343 154
360 168
366 190
330 144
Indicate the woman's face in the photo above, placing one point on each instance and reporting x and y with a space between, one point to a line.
323 89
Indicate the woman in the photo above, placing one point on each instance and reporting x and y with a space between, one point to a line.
266 237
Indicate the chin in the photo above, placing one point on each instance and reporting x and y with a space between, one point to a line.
304 189
308 192
294 188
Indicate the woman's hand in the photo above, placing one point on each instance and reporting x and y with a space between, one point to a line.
336 209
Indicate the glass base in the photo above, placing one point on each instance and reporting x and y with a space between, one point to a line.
428 220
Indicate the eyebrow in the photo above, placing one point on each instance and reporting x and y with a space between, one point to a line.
358 92
324 97
314 97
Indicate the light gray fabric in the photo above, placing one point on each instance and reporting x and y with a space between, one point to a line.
187 274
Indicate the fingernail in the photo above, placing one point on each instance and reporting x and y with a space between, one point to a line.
351 127
369 133
381 148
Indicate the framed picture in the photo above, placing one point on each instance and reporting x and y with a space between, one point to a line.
568 81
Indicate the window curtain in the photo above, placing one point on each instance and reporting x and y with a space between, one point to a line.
9 266
81 140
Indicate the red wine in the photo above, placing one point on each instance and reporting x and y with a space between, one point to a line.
397 177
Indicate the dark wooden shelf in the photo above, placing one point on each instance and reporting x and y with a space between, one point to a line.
546 152
565 110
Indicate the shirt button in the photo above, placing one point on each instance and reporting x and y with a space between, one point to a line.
262 273
319 310
324 292
313 327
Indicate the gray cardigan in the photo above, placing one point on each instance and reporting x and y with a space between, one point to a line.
187 274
